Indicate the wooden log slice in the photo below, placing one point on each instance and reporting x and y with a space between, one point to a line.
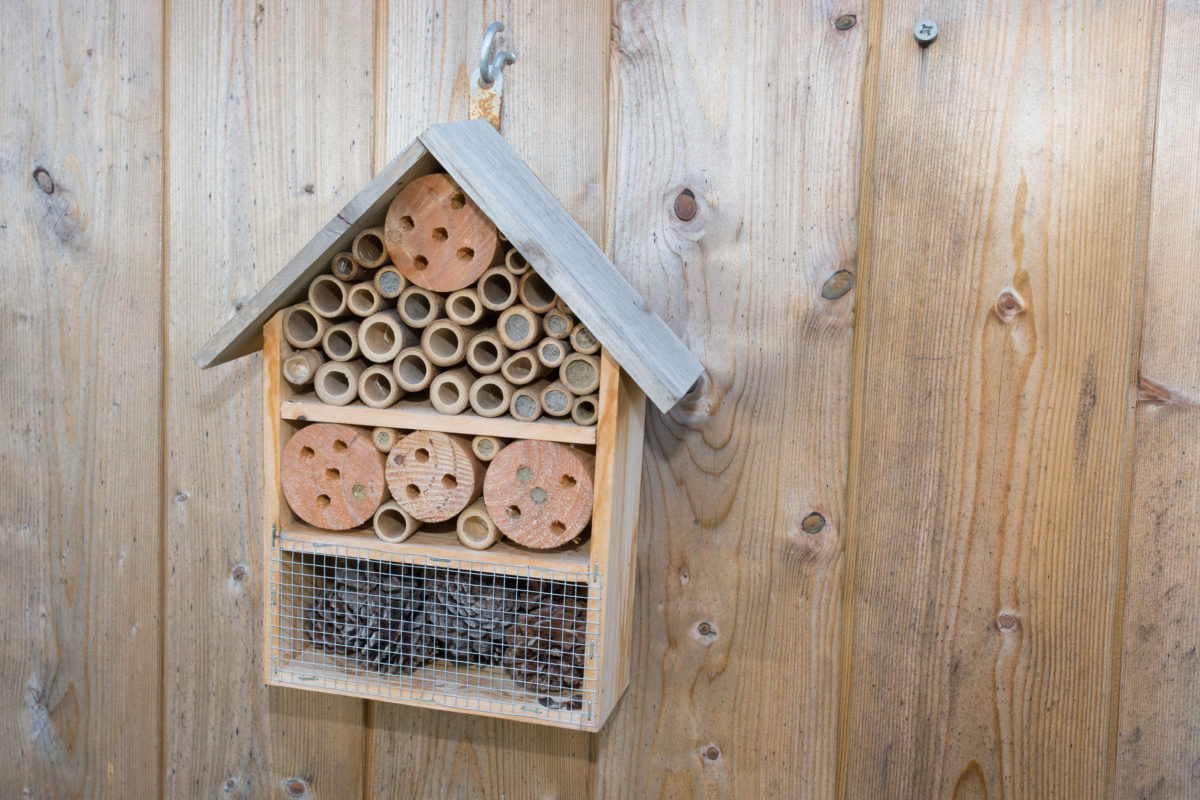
433 475
539 493
437 236
332 476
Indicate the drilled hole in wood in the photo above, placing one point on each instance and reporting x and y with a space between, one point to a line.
439 234
513 512
449 482
420 455
567 482
307 453
457 200
420 262
323 500
413 491
339 446
407 223
466 253
557 528
333 473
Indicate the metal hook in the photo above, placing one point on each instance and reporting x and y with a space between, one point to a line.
489 66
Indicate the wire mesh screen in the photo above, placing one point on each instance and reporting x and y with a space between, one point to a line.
451 633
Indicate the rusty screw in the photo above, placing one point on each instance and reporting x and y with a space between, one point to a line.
705 629
845 22
926 32
685 205
813 523
712 752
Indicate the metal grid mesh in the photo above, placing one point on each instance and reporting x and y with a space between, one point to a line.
455 633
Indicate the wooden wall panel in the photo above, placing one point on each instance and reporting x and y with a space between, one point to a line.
555 116
270 134
81 437
1158 752
1002 259
755 110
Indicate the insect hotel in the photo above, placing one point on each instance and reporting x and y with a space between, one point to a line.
454 384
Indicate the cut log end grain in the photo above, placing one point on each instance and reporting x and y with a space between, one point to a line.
540 493
332 476
393 524
475 527
437 236
303 327
433 475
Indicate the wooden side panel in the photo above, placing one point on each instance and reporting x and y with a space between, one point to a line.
269 135
754 111
1000 270
554 116
80 354
1158 751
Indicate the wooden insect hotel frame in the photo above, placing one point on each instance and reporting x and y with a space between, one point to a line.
417 599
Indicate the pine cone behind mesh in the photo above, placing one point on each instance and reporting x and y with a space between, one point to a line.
470 613
545 649
376 617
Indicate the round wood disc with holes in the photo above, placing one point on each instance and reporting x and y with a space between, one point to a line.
433 476
539 493
437 236
332 476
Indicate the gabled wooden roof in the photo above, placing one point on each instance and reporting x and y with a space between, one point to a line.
561 252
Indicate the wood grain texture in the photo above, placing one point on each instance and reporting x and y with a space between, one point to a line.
1158 749
559 84
80 510
736 623
249 183
990 457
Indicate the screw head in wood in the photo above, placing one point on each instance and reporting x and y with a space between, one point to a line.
685 205
837 284
1007 622
813 523
845 22
926 32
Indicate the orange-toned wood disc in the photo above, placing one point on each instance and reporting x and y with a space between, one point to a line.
433 476
437 236
332 476
539 493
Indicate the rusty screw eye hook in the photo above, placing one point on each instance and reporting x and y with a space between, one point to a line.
490 65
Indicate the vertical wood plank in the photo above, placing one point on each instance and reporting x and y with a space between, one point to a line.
754 108
1158 751
554 115
271 109
80 293
999 297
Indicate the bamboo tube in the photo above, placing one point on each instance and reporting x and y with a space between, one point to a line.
463 307
485 448
418 307
475 527
301 366
377 386
583 412
490 396
385 439
583 341
389 282
515 263
363 300
445 342
393 524
486 353
413 370
539 493
551 352
580 373
433 475
369 249
303 327
382 336
535 293
331 476
526 402
557 400
523 367
336 382
341 341
449 393
327 296
558 324
345 267
518 327
497 289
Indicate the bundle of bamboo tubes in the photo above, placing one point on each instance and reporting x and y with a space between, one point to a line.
504 344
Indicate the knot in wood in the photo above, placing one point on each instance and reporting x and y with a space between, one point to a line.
813 523
837 284
43 179
712 752
1008 305
845 22
296 787
1007 622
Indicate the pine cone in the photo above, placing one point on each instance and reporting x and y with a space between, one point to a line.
376 618
470 613
545 649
